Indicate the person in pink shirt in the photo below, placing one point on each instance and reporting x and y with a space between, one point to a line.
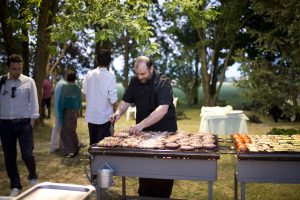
46 100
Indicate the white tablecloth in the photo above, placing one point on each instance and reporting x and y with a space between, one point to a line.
222 123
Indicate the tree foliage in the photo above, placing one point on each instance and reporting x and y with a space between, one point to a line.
109 19
55 27
17 19
218 23
179 52
271 74
191 34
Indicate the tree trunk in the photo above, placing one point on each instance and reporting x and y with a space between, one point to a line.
9 41
204 70
214 74
48 10
25 52
226 63
12 45
126 60
25 40
197 81
60 57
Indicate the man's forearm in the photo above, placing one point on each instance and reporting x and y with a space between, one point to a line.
155 116
122 108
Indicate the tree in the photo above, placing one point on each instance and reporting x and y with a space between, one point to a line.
58 26
125 47
271 74
15 19
19 23
109 20
182 70
108 24
217 24
177 55
7 29
48 10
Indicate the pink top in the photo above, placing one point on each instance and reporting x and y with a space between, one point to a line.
47 88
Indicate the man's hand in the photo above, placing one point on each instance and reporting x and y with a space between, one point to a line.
136 129
114 118
120 111
32 121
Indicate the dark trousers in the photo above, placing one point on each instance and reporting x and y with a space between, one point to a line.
155 187
10 133
46 102
98 132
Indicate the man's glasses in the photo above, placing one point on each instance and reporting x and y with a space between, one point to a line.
13 90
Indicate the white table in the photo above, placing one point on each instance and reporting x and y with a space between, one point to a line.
222 123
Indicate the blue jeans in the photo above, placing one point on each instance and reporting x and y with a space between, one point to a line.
10 133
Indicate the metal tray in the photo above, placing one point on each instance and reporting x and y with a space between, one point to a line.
57 191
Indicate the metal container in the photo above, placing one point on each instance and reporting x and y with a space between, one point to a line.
105 177
6 198
57 191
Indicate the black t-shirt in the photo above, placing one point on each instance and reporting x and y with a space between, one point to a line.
147 97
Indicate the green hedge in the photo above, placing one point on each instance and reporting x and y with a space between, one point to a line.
281 131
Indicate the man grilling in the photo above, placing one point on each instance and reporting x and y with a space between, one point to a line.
151 93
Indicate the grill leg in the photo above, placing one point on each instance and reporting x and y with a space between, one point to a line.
243 190
99 193
235 186
123 187
210 190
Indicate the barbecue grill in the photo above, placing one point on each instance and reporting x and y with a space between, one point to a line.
197 165
265 167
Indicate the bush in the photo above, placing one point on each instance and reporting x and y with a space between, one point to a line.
281 131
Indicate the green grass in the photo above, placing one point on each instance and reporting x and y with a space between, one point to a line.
59 169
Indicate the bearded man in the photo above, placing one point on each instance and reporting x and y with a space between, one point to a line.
151 92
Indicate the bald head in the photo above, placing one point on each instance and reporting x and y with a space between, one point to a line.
143 69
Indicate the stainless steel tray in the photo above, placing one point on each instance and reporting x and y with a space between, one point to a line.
57 191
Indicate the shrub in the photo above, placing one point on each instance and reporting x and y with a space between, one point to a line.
281 131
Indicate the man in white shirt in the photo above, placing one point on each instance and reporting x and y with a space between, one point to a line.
18 111
100 89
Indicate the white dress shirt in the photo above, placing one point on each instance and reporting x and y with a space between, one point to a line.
24 104
100 89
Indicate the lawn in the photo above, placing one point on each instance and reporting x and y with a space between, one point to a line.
59 169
